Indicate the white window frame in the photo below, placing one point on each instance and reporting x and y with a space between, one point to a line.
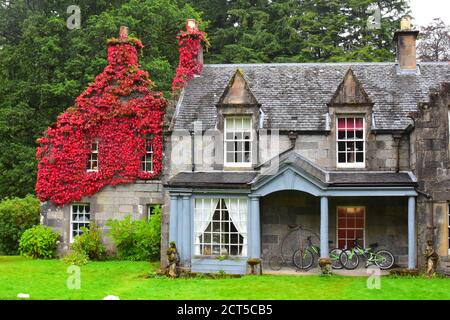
91 161
72 221
237 164
363 229
353 164
202 203
145 162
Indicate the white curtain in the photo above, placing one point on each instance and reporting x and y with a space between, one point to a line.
204 211
237 208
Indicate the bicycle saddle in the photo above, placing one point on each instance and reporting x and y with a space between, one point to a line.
373 245
294 226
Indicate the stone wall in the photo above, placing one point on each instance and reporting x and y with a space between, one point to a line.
112 202
431 164
386 222
381 151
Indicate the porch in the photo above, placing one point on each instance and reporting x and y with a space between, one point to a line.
220 219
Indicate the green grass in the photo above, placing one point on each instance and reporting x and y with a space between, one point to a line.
46 279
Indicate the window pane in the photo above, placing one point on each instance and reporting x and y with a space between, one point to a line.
350 134
359 123
341 124
247 124
359 134
350 146
359 146
341 157
350 123
359 157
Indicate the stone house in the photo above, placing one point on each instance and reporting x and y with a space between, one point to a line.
347 150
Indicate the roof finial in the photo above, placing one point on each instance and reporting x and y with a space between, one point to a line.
123 34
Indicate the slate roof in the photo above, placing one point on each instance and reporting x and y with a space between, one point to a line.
371 178
212 179
295 96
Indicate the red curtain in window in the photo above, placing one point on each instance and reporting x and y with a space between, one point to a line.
351 224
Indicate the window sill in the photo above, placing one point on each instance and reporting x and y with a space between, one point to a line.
351 166
217 258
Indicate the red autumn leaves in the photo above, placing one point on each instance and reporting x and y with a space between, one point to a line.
190 44
118 110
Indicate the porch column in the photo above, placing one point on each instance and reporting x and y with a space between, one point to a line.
185 254
173 230
412 250
324 227
254 229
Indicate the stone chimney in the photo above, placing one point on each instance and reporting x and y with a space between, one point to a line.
192 28
406 45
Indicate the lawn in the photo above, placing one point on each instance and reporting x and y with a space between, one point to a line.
46 279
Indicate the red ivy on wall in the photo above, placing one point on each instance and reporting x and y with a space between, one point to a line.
118 110
189 43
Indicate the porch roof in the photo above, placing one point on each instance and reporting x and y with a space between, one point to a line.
294 172
291 171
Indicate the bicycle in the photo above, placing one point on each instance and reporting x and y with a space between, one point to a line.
349 258
304 259
288 246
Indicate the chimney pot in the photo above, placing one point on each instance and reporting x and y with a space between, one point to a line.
123 33
191 25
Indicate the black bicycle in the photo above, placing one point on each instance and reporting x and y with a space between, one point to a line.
290 242
349 258
304 258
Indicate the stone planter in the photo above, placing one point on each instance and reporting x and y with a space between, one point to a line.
325 266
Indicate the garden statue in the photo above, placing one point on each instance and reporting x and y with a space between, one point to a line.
431 258
174 259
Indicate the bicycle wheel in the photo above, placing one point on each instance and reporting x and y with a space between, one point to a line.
275 263
334 256
349 259
384 259
303 259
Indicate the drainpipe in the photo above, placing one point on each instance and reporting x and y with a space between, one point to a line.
397 139
192 151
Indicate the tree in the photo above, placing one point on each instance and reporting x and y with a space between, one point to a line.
434 44
300 30
44 66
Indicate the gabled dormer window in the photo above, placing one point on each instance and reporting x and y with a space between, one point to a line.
238 141
93 157
147 159
350 142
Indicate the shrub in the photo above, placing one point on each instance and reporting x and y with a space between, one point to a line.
16 216
90 243
139 239
38 242
76 258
